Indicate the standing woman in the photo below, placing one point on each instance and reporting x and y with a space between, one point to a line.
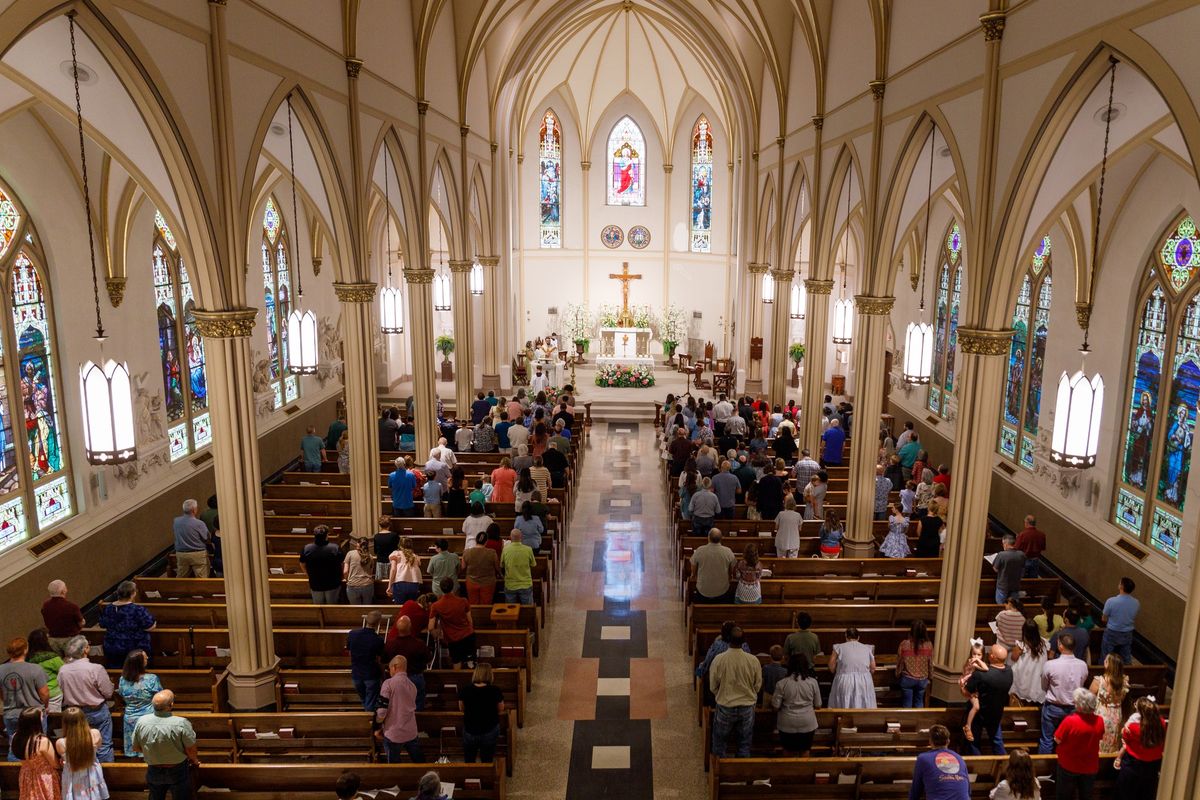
456 496
929 543
343 453
404 577
747 573
895 544
137 689
1140 759
358 569
1028 657
796 698
42 654
924 492
832 531
814 495
914 664
82 777
1110 690
770 495
853 666
787 530
482 705
525 489
127 626
504 478
39 764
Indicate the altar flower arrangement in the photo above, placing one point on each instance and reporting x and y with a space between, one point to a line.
623 376
672 327
578 323
643 317
608 314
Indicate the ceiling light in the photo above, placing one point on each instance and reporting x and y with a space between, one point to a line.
86 74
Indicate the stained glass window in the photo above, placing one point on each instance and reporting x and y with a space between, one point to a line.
550 180
702 173
1022 402
10 218
180 347
35 365
277 303
626 151
1157 440
949 297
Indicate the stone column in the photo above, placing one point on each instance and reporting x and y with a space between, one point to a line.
253 666
754 326
358 336
816 342
420 327
464 381
1181 780
980 365
871 324
491 336
780 363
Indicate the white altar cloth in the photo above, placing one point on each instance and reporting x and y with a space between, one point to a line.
625 346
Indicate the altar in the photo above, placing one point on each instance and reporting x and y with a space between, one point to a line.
625 346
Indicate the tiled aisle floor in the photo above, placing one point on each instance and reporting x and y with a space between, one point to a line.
612 713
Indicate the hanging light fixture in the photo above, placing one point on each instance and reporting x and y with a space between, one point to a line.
477 279
768 288
797 308
918 339
1080 402
108 433
301 324
391 302
441 282
843 309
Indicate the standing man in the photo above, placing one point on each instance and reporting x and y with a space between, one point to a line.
722 411
883 487
833 442
87 685
415 651
710 564
389 428
1009 564
480 408
805 468
1060 678
1031 542
402 485
735 678
63 618
905 435
908 453
365 647
704 508
312 450
1119 614
443 565
538 382
516 561
322 560
397 714
168 744
993 686
680 450
726 487
23 686
191 542
453 614
334 434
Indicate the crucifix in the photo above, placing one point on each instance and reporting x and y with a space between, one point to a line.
624 276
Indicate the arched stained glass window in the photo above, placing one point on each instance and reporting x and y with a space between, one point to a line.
949 295
181 350
702 173
1022 403
626 153
1156 455
550 180
277 288
35 480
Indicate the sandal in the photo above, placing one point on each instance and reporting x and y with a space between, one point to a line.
970 737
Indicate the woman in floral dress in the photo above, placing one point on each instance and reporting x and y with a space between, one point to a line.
82 777
137 688
1110 690
895 544
39 766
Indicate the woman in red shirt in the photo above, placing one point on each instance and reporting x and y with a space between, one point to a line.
1078 748
913 665
1140 759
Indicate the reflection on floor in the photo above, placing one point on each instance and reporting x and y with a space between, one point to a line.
612 712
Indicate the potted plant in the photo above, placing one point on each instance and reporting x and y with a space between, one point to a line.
578 326
796 353
672 327
444 344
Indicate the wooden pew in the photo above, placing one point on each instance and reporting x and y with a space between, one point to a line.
195 689
797 590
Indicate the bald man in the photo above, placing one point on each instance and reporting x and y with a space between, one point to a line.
168 744
993 687
397 713
415 652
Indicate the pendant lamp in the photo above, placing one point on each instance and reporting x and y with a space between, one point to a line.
918 339
441 282
391 301
768 288
476 279
301 324
1080 402
797 307
108 432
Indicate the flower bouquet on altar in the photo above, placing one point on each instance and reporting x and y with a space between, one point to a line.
623 376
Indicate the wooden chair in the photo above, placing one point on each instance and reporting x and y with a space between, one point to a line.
520 372
685 362
724 377
708 355
698 381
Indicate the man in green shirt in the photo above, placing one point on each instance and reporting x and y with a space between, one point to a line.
443 565
803 641
312 450
517 561
168 743
735 678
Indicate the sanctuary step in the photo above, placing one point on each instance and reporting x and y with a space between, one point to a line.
623 410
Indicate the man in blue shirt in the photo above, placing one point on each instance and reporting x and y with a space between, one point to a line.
502 433
312 450
940 773
365 647
480 408
402 484
834 441
1119 614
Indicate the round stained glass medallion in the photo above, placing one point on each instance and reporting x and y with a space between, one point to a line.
612 236
639 236
1179 256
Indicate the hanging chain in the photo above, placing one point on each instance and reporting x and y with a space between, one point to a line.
846 238
387 214
928 205
87 197
295 218
1112 80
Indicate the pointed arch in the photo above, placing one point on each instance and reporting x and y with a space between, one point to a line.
404 201
481 211
834 200
1021 402
766 221
797 207
446 202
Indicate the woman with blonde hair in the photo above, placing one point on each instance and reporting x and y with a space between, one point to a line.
82 777
404 575
1110 690
358 568
482 705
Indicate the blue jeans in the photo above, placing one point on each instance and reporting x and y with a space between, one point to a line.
393 749
368 691
308 466
977 732
101 720
1119 642
522 596
701 525
1052 715
737 721
483 745
1002 595
403 591
912 690
419 682
176 780
361 595
322 597
1033 568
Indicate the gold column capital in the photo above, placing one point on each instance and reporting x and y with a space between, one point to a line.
355 292
353 67
217 2
818 121
422 107
417 275
757 269
1083 314
814 286
494 146
489 261
782 275
875 306
232 324
520 158
116 290
993 25
463 130
460 265
877 88
585 165
984 342
668 168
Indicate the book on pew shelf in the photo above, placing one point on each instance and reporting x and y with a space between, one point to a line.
287 733
324 483
248 733
269 735
1020 724
223 652
448 790
486 651
447 531
765 534
153 595
306 483
848 778
893 726
449 730
972 777
276 570
821 777
291 688
211 650
850 730
922 574
510 652
910 572
270 512
762 782
472 784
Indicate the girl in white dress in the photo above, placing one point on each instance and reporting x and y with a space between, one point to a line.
853 668
787 529
82 777
1028 657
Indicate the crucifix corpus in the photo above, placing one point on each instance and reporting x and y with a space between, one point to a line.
624 276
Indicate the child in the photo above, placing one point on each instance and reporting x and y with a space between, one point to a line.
908 498
895 544
477 495
752 503
487 487
432 494
975 663
772 673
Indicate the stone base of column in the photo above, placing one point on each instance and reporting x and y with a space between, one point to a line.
944 686
853 548
506 377
254 692
754 386
491 381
